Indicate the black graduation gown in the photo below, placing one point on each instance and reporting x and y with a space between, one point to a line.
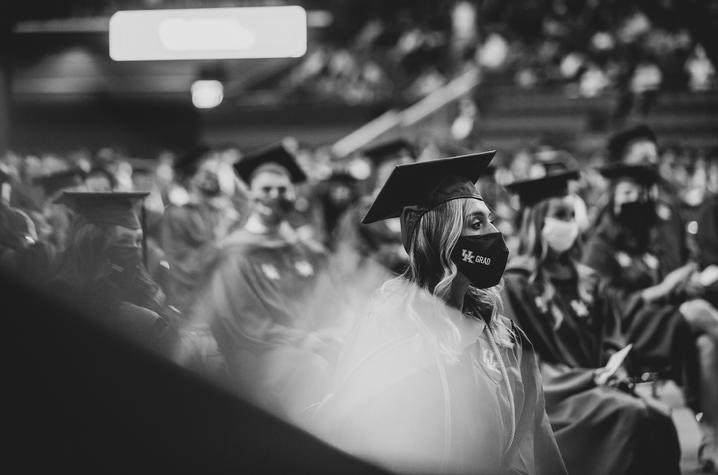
599 430
660 335
263 299
668 237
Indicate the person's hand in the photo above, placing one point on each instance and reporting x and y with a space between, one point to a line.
679 276
698 310
618 380
614 369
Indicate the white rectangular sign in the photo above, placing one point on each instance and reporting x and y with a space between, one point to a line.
208 33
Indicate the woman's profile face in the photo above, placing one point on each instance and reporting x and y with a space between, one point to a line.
562 208
478 220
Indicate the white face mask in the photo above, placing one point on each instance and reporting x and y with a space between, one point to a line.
559 235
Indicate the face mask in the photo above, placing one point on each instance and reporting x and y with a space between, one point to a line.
482 259
638 214
276 209
559 235
126 257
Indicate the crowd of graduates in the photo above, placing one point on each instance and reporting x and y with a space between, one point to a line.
251 268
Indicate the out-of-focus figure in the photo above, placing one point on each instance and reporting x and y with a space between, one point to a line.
18 237
190 231
338 193
574 323
638 145
102 265
100 179
144 178
268 297
380 241
705 309
55 221
667 322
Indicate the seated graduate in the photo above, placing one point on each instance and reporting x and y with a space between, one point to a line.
189 232
267 290
704 312
103 266
433 378
666 318
574 322
378 242
18 236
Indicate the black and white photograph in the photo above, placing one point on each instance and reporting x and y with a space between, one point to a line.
359 236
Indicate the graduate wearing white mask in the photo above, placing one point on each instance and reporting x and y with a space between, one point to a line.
574 322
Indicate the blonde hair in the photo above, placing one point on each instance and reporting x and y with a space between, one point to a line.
432 270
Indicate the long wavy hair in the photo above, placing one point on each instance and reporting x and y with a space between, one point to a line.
534 251
432 270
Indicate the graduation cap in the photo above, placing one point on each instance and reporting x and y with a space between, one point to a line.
51 183
114 208
412 189
618 142
389 150
275 156
553 185
645 175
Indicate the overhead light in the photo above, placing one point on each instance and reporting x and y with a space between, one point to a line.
207 93
359 168
209 33
319 18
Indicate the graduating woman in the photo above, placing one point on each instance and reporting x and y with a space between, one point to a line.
103 267
574 322
434 379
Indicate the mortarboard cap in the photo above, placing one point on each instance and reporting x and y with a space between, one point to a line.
390 150
114 208
646 175
535 190
51 183
274 155
412 189
618 142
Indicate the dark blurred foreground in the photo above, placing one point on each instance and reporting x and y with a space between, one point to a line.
84 400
